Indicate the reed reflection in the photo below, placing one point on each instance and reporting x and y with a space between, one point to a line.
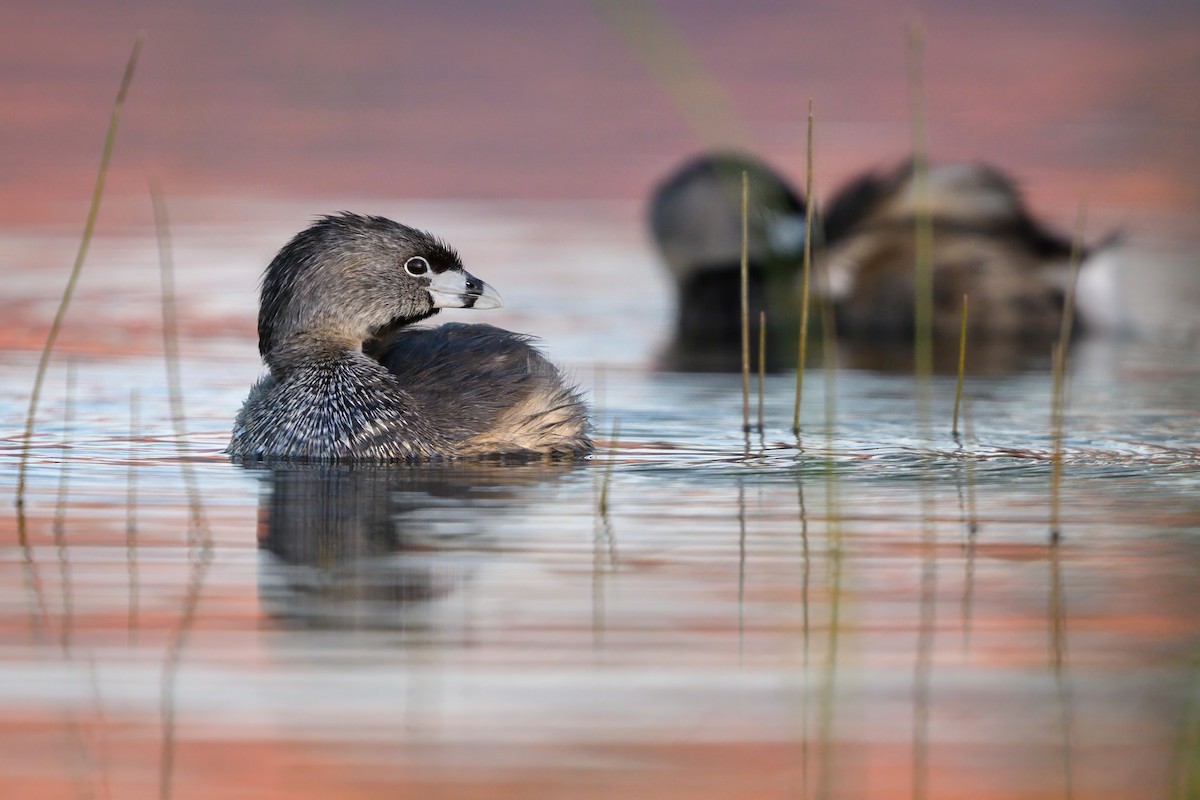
368 546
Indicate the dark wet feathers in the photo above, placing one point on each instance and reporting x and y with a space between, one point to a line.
468 378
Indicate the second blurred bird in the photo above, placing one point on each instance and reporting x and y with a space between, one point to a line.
985 244
696 221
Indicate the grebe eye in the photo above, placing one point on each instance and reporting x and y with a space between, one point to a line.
417 265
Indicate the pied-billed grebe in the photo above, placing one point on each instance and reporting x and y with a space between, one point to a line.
696 221
986 245
349 382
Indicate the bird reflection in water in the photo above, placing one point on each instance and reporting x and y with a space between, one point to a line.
367 547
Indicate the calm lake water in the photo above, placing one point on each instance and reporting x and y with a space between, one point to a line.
875 610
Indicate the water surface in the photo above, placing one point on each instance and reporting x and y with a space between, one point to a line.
874 610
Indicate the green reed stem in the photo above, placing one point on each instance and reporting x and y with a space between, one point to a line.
745 301
962 363
1059 356
65 301
200 544
923 372
166 271
806 272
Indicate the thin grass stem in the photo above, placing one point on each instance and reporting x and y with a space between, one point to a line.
69 290
1059 356
170 330
962 362
199 535
923 279
745 301
806 273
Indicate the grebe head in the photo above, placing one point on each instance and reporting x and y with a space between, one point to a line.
349 278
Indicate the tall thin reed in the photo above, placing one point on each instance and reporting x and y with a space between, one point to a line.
1058 614
170 330
806 272
65 301
199 536
745 302
1059 355
962 362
